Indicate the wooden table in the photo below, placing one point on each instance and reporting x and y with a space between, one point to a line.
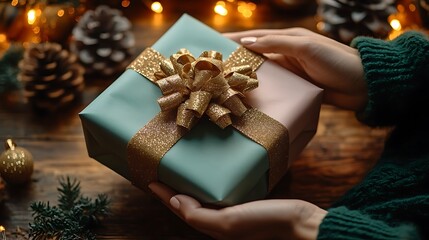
337 158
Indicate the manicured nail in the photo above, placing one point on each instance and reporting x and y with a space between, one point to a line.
174 202
248 40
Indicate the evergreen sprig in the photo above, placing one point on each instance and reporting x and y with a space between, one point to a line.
72 219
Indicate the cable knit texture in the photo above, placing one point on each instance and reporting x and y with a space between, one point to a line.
394 72
342 223
392 201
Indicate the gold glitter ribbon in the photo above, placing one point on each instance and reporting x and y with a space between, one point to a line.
192 87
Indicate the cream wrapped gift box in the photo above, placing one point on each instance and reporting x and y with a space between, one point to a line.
217 166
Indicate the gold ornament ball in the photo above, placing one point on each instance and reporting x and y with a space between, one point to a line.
16 164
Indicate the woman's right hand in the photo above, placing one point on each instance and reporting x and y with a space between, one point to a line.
331 65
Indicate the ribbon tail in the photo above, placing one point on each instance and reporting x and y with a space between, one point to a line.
272 135
147 147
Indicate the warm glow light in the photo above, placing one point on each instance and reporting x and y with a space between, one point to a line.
412 7
247 13
156 7
3 231
241 8
320 26
396 25
125 3
221 10
3 39
221 3
60 13
36 30
14 3
246 9
31 16
251 6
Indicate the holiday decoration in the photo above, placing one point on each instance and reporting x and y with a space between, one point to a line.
16 164
346 19
256 141
103 41
52 77
9 68
72 218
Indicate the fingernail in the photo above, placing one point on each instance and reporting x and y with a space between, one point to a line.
174 202
248 40
151 186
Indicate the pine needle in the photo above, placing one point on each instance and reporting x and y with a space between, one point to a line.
72 219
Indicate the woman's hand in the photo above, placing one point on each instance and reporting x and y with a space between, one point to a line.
265 219
331 65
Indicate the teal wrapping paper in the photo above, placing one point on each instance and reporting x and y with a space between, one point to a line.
216 166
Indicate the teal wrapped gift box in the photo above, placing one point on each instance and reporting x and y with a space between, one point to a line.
216 166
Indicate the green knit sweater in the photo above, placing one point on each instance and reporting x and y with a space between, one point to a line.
392 202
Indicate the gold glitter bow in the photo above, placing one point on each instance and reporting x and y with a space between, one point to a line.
187 83
200 86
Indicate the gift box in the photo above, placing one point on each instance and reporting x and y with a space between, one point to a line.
217 166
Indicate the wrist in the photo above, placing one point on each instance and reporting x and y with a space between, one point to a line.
309 228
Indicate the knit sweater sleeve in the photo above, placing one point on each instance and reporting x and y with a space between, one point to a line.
342 223
397 74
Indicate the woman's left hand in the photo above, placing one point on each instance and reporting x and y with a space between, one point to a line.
264 219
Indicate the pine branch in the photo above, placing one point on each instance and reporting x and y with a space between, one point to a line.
74 216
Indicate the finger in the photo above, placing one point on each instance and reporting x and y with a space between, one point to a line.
296 31
167 197
237 36
316 36
289 63
294 46
280 44
197 216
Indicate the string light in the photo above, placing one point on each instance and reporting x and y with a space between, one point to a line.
31 16
246 9
156 7
3 232
220 8
125 3
60 13
395 24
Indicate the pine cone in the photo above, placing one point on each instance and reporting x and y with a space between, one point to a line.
51 76
346 19
103 41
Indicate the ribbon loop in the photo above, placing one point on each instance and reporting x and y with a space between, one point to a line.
219 115
198 101
201 86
